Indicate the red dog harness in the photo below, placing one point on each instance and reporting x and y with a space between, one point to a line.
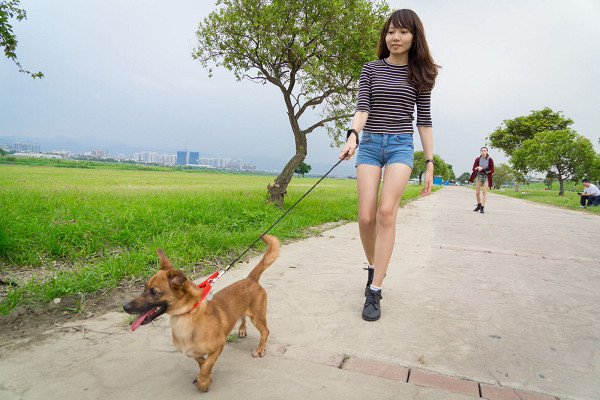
207 285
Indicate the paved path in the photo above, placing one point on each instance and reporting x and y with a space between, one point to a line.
504 305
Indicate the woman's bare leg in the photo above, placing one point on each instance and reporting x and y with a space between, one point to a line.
368 180
395 179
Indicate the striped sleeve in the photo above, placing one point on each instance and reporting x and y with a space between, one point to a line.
424 109
364 90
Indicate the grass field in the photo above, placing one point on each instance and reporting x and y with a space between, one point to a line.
535 192
72 230
570 200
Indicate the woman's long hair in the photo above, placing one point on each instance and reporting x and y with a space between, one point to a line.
422 70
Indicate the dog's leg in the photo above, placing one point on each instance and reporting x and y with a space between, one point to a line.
203 379
243 331
200 361
259 320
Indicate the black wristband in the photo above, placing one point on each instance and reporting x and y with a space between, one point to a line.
429 161
350 132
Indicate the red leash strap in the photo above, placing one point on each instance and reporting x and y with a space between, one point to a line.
207 285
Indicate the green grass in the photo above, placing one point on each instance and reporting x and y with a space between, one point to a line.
66 231
537 194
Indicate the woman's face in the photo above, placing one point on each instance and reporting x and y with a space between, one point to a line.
484 152
398 40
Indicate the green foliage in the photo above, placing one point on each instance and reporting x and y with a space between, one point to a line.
502 174
440 167
564 153
9 9
514 132
312 50
464 177
302 169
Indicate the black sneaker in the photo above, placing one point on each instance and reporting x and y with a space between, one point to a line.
371 271
481 211
371 309
479 207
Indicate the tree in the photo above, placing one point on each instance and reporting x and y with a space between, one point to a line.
563 153
510 137
549 180
302 169
464 177
8 40
311 50
451 174
419 167
502 174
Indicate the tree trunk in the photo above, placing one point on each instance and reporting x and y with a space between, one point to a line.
278 189
561 192
517 186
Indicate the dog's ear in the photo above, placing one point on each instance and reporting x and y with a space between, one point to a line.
164 261
176 278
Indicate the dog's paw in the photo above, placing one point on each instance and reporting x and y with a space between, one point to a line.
242 333
202 384
258 353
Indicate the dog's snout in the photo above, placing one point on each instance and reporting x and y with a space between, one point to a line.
127 307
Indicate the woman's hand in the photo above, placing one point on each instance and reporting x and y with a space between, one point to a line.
350 148
428 180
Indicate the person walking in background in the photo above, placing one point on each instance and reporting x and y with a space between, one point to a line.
591 194
389 89
483 168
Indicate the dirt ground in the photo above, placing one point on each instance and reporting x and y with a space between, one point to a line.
31 322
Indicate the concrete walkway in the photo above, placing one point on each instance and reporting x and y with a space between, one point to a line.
504 305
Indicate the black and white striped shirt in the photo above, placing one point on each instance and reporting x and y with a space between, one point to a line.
384 92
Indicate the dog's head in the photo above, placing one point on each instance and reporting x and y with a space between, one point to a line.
161 294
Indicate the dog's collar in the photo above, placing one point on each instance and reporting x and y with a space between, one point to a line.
207 286
185 312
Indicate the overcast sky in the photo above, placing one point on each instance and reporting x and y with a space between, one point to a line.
123 71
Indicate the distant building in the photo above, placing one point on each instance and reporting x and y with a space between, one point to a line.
168 159
182 158
25 147
96 153
62 153
194 158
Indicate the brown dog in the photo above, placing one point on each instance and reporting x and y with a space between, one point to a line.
200 330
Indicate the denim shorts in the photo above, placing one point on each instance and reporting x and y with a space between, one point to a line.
382 149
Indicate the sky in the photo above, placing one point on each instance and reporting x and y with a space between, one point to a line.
122 71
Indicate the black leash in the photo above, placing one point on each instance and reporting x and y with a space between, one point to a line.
276 222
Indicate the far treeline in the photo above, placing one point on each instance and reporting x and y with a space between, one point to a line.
543 142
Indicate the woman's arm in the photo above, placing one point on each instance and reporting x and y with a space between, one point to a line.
426 133
358 122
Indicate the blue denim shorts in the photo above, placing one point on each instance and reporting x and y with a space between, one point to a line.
382 149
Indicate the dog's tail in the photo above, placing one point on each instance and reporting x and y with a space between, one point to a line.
267 259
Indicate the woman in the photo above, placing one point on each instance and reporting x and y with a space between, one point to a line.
389 89
483 168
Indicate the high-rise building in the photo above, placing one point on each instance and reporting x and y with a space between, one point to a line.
182 158
194 158
168 159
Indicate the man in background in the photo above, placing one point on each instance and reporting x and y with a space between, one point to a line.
591 194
